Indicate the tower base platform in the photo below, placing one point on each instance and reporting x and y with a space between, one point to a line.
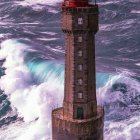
73 129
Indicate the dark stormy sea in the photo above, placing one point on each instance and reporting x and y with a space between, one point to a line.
32 68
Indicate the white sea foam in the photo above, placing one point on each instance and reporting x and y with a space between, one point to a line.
127 128
33 102
108 2
53 11
49 33
138 64
135 11
35 2
48 39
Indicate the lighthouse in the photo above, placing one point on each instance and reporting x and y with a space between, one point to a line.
80 118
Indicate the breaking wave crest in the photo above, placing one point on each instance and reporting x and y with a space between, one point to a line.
33 101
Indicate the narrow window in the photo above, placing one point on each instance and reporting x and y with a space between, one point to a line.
80 53
80 67
80 39
80 95
80 113
80 21
80 81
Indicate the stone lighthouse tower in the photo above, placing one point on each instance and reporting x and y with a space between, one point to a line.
80 118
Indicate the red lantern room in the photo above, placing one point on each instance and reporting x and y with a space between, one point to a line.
77 3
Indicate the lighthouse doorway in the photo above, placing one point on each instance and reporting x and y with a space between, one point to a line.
80 113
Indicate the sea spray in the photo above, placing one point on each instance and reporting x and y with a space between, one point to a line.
32 101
